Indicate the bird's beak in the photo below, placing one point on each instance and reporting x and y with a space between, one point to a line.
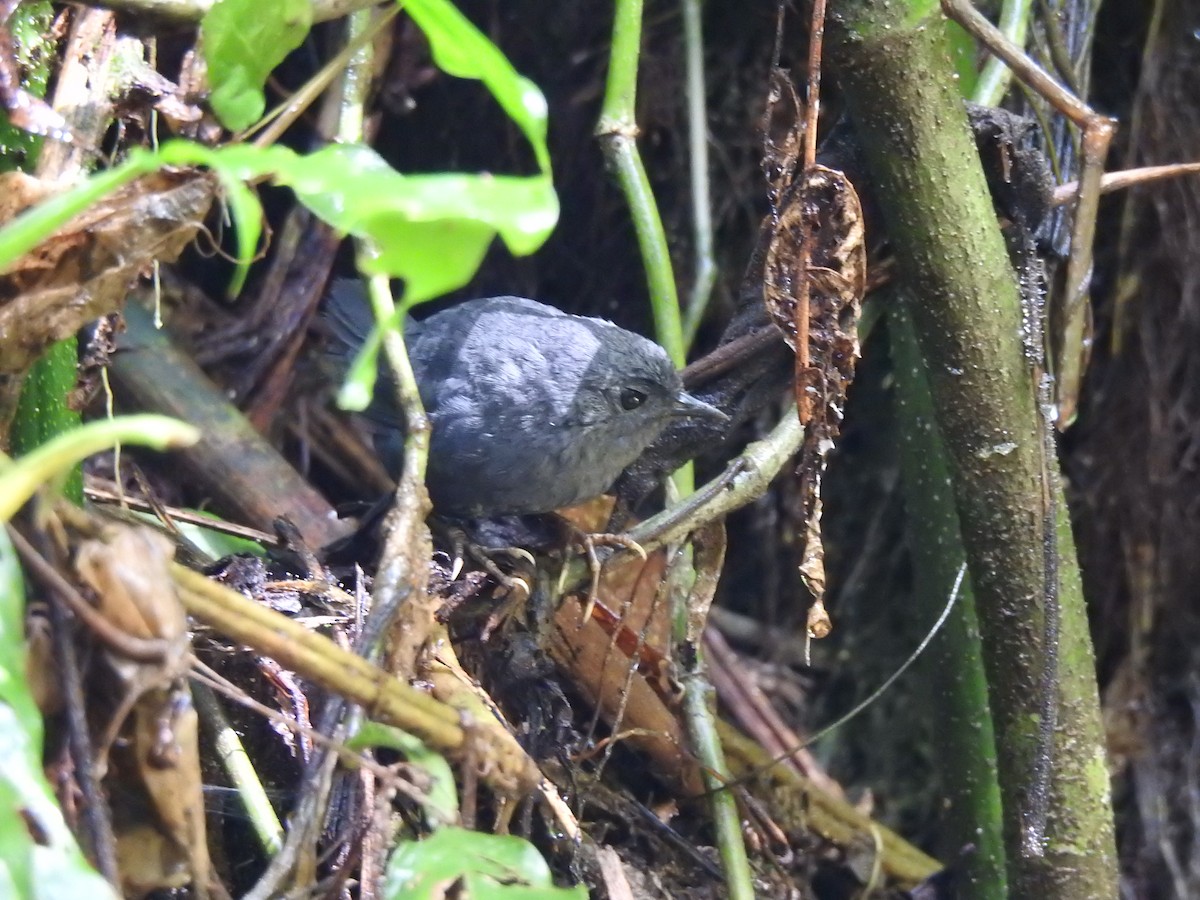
687 405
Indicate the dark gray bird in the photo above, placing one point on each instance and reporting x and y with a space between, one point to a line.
532 409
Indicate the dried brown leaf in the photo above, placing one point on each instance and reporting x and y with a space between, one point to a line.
128 571
821 217
167 751
130 575
814 280
783 136
85 270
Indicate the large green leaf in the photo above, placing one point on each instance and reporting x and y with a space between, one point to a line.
461 49
430 230
243 41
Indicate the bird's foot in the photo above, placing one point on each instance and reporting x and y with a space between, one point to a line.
588 543
516 587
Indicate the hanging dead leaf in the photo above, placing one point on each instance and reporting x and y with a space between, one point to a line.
821 219
812 563
85 270
812 570
814 280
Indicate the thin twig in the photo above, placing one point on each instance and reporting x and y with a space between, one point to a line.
705 274
96 812
875 695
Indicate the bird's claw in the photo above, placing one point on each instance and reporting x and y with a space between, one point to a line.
517 588
589 542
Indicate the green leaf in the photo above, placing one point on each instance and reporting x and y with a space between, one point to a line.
50 865
430 230
247 218
243 41
491 865
217 544
462 50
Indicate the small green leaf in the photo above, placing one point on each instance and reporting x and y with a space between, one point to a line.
218 544
359 386
441 802
244 40
247 222
491 865
462 50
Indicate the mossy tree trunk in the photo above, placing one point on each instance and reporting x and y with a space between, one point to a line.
896 71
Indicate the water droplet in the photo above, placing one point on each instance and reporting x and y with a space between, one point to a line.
1002 449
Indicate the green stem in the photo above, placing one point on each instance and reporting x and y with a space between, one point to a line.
617 131
652 239
237 765
20 478
705 275
43 413
995 77
405 530
706 744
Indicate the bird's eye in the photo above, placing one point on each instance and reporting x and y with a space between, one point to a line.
632 398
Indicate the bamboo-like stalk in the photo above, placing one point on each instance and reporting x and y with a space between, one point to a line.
964 738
